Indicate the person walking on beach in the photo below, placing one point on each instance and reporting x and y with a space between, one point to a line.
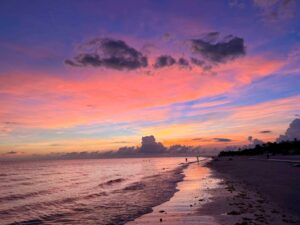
185 159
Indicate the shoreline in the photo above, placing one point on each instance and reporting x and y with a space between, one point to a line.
215 192
182 208
168 181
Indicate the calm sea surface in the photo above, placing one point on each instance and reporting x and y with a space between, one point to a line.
104 191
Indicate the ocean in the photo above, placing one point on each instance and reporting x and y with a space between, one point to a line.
102 191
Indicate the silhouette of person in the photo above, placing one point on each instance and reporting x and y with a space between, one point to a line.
185 159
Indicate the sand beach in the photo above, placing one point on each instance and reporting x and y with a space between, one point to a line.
233 191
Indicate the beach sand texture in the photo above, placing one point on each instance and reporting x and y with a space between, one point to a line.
256 191
232 191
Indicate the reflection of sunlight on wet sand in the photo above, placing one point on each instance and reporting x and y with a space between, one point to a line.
192 176
183 207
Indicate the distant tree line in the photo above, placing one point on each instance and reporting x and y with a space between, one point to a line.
272 148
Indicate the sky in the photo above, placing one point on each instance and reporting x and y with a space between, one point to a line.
98 75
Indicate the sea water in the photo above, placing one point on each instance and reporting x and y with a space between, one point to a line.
102 191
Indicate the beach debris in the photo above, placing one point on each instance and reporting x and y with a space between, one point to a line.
290 221
162 211
274 211
234 213
230 188
246 218
260 201
242 223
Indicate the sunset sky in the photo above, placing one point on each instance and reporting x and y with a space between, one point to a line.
98 75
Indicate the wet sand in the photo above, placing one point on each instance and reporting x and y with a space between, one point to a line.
255 191
183 207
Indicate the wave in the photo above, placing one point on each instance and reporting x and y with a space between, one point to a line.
111 182
22 196
44 205
28 222
135 186
146 194
40 206
115 207
95 195
42 220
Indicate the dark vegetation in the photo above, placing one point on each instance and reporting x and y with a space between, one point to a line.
272 148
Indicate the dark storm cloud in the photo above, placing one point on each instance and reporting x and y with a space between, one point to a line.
265 132
109 53
201 63
219 51
208 51
222 139
71 63
212 36
164 61
197 62
87 59
183 62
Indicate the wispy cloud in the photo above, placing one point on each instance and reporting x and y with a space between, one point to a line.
265 132
276 9
223 139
